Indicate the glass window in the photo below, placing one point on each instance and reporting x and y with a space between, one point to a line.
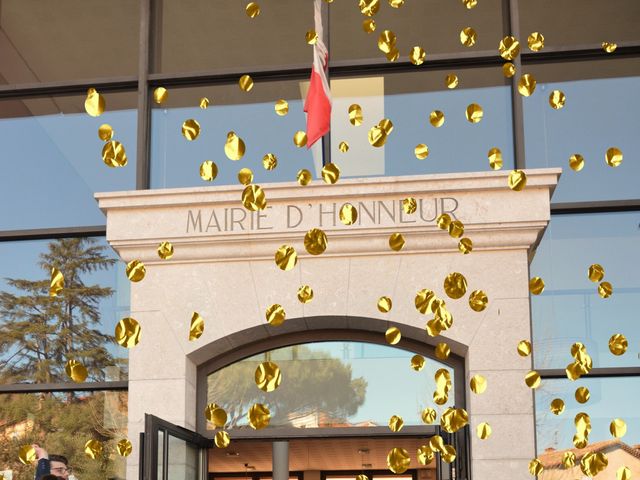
330 384
407 99
570 309
435 26
593 22
62 423
38 334
55 158
183 460
96 41
601 101
251 115
220 35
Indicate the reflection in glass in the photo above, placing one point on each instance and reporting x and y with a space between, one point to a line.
38 333
55 159
183 460
62 423
330 384
570 309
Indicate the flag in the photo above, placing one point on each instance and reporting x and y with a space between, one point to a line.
318 101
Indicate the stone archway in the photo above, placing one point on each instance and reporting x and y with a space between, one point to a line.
223 268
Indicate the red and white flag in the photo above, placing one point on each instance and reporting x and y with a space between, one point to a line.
318 101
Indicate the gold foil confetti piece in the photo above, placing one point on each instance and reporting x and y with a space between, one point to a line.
196 327
609 47
465 245
442 351
417 362
398 460
532 379
524 348
386 125
535 467
114 154
436 118
396 242
613 157
448 454
369 7
93 449
124 447
453 419
605 290
105 132
557 99
478 384
216 415
286 257
190 129
160 95
94 104
509 48
425 455
76 371
468 37
421 151
470 3
27 454
409 205
275 315
456 229
392 335
595 272
618 344
455 285
618 428
281 107
303 177
582 394
478 301
495 158
369 25
311 37
508 69
535 41
436 444
526 85
127 332
393 55
576 162
269 161
428 415
56 284
234 146
593 463
443 221
556 406
300 139
204 103
361 476
536 285
355 115
385 304
623 473
135 270
245 176
424 301
315 241
222 439
268 376
348 214
417 55
253 198
517 180
305 294
443 385
252 9
343 147
483 430
474 113
208 171
245 83
451 81
259 416
396 3
396 423
377 136
568 459
386 41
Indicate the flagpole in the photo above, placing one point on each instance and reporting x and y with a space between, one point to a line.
326 139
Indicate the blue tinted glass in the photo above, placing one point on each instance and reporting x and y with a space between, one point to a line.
55 155
570 309
175 161
599 113
38 333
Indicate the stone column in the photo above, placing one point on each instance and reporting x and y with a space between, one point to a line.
280 460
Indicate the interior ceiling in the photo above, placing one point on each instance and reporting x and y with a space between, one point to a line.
315 454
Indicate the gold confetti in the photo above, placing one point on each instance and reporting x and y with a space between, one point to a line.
259 416
443 385
613 157
425 455
524 348
453 419
369 7
535 41
536 285
343 147
330 173
114 154
393 335
196 327
593 463
582 394
105 132
315 241
495 158
303 177
311 37
436 118
517 180
275 315
526 85
76 371
483 430
222 439
127 332
468 37
474 113
478 300
216 415
269 161
27 454
442 351
532 379
576 162
398 460
286 257
451 81
421 151
396 241
160 95
428 415
348 214
436 444
355 115
124 447
165 250
455 285
470 3
93 449
556 406
623 473
424 301
605 290
300 139
268 376
190 129
448 454
618 344
377 136
361 476
557 99
409 205
417 55
245 176
396 423
478 384
456 229
618 428
568 460
443 221
509 48
208 171
135 270
508 70
387 41
56 285
252 9
204 103
369 25
396 3
234 146
305 294
384 304
281 107
417 362
94 104
535 467
253 198
245 83
609 47
595 272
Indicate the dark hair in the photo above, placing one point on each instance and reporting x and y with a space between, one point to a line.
59 458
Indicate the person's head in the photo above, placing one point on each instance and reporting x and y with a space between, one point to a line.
60 466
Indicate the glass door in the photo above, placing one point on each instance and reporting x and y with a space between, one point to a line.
172 452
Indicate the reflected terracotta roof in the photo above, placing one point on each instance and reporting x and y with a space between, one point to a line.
553 458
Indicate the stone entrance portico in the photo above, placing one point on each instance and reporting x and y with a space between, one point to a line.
224 269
